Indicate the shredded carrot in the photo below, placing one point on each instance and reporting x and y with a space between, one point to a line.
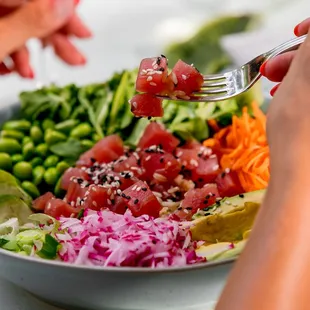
243 148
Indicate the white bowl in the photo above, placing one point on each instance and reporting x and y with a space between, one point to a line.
68 286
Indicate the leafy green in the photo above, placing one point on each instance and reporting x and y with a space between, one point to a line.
71 148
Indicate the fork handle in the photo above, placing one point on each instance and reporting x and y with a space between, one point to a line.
290 45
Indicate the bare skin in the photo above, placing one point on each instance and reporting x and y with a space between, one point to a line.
273 272
52 21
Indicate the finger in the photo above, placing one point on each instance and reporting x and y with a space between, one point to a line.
275 69
4 69
274 89
11 3
21 60
76 27
302 28
65 50
37 18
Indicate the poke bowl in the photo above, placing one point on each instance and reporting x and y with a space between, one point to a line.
104 208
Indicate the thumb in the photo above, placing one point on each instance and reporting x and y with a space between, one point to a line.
37 18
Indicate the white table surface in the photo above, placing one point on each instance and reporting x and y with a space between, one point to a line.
127 30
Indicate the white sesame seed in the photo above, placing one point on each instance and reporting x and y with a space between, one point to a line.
216 167
159 177
153 84
184 77
134 187
72 203
138 188
173 190
227 170
109 202
134 104
213 156
169 163
194 162
157 194
95 203
149 79
174 78
148 158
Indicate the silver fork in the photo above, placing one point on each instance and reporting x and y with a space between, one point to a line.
224 86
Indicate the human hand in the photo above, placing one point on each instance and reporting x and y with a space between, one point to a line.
288 125
276 68
53 21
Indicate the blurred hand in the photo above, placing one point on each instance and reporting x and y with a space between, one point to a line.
52 21
288 125
276 68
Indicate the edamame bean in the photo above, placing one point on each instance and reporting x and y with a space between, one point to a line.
26 140
36 134
28 150
10 146
53 137
48 124
16 158
5 161
66 126
62 167
30 189
37 161
14 134
42 150
51 176
38 175
81 131
51 161
96 137
23 170
20 125
87 144
58 191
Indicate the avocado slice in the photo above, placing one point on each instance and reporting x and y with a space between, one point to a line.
225 227
221 250
9 186
13 207
229 204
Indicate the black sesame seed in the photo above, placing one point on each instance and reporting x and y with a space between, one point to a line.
158 60
144 189
93 160
163 56
112 201
149 118
206 202
136 201
161 160
223 175
180 208
139 161
207 213
218 203
161 69
189 208
123 195
200 180
208 197
79 181
241 196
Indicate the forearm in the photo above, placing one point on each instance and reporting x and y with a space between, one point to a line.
273 272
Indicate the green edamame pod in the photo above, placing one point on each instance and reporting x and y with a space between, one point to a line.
10 146
23 170
51 176
96 137
14 134
37 161
62 167
5 161
53 137
42 150
28 150
16 158
36 134
30 189
20 125
48 124
66 126
51 161
87 144
81 131
38 175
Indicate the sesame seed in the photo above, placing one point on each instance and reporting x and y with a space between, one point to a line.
136 201
138 189
144 189
95 203
153 84
134 104
148 158
174 78
184 77
216 167
149 79
159 177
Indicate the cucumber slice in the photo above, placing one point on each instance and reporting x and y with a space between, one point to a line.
13 207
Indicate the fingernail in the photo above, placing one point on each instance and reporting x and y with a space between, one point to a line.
63 8
262 68
87 33
296 30
83 60
76 2
274 89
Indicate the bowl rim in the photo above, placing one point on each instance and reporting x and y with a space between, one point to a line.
131 270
